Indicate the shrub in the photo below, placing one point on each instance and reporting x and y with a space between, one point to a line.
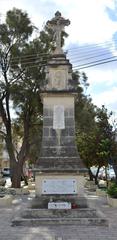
112 190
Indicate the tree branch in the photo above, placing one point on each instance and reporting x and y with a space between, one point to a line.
17 77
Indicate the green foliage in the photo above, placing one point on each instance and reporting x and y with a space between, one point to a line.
95 135
19 84
112 190
19 24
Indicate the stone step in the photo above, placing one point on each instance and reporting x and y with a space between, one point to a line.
67 213
36 217
62 221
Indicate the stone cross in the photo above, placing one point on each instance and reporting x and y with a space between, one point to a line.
57 24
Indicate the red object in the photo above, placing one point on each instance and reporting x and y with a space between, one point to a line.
74 205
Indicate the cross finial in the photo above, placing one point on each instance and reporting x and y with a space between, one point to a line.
57 24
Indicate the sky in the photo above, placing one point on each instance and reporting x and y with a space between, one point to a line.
92 37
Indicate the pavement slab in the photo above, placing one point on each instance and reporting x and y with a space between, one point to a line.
58 232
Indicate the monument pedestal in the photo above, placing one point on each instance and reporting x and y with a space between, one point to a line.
60 187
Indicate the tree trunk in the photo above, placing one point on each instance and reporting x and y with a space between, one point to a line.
16 163
91 176
16 176
15 166
96 176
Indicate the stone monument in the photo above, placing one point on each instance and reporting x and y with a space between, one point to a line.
59 167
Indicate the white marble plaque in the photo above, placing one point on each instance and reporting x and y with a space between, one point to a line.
59 205
58 117
59 186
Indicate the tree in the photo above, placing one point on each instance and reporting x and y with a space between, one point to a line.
13 34
96 142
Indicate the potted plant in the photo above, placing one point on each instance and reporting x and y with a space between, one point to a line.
112 195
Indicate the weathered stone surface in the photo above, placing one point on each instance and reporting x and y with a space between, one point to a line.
81 213
46 131
52 132
58 152
52 221
47 112
69 121
48 121
61 164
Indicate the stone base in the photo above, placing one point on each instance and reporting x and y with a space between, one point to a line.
40 177
42 202
80 214
34 217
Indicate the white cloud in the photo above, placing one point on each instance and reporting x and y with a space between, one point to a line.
103 87
90 23
97 76
106 97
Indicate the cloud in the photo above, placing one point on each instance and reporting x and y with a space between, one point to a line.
107 98
98 77
103 87
90 22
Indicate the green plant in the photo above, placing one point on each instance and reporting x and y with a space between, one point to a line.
112 190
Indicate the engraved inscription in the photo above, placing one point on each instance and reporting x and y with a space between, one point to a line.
59 186
59 205
58 117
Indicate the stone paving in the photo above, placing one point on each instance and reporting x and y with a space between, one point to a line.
60 232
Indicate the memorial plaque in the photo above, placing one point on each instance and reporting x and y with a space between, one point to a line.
58 117
59 186
59 205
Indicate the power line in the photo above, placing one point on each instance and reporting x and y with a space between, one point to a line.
90 64
90 53
31 55
27 59
93 65
43 57
83 59
87 45
98 61
79 67
47 54
44 61
36 61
